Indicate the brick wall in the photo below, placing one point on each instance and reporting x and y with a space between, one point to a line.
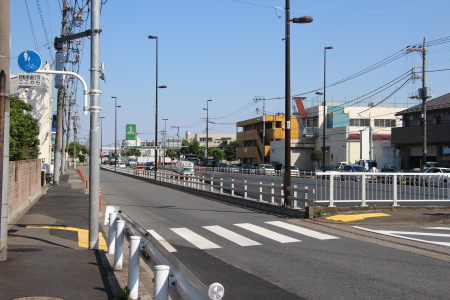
24 184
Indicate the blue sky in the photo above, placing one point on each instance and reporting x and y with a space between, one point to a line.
232 51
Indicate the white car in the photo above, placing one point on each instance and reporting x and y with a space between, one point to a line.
295 172
440 177
266 169
122 164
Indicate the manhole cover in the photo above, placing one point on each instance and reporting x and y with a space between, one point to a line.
25 250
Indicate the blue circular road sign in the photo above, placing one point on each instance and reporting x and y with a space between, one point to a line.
29 61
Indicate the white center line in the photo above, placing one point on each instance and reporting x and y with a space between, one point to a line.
195 239
232 236
304 231
268 233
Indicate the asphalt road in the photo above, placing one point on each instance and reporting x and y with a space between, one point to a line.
257 255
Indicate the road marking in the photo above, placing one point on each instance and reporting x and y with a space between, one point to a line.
195 239
398 234
232 236
438 228
268 233
162 241
349 218
303 231
83 235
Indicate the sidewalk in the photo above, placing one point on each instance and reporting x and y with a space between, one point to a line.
47 250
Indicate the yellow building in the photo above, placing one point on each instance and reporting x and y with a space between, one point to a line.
256 136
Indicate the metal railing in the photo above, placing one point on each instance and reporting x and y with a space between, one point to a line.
382 189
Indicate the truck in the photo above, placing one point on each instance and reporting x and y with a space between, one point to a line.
185 167
130 161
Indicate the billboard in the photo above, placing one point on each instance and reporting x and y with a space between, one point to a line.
130 132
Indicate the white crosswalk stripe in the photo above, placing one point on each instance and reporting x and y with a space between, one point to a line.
268 233
195 239
232 236
303 231
163 242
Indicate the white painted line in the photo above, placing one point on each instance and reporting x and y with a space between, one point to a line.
162 241
195 239
232 236
438 228
302 230
397 234
268 233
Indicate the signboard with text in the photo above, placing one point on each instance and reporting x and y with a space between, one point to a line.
130 132
30 79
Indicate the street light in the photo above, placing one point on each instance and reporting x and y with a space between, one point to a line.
287 144
324 104
207 131
153 37
115 132
164 145
101 136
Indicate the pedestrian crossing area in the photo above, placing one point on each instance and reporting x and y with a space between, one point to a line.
263 232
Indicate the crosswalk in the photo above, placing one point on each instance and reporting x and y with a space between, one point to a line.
264 231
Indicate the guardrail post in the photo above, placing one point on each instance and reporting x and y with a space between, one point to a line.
221 185
272 191
161 288
394 191
133 267
212 184
305 204
282 200
118 254
112 233
331 204
232 186
363 191
294 202
245 189
260 192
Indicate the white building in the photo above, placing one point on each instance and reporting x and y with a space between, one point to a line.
41 100
215 140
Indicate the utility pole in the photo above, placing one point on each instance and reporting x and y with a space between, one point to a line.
424 94
263 151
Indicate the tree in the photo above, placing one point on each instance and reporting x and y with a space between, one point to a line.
24 143
171 153
217 153
317 156
231 149
184 148
79 148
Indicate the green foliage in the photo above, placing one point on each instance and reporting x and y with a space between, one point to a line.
24 143
217 153
231 150
77 149
184 148
317 156
122 294
171 153
318 213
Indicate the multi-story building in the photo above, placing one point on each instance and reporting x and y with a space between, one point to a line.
215 140
409 137
41 100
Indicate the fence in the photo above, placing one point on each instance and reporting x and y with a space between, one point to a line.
382 189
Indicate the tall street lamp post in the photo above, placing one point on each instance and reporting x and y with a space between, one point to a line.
115 132
287 144
164 144
207 131
153 37
324 105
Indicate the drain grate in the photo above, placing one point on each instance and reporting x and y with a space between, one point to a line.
25 250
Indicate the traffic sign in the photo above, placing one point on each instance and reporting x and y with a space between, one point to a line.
27 80
29 61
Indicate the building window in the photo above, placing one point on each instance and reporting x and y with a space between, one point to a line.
359 122
384 123
203 140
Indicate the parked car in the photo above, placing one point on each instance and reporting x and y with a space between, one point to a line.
266 169
388 178
149 165
440 178
295 172
354 168
122 164
140 168
221 166
231 169
331 170
244 168
341 164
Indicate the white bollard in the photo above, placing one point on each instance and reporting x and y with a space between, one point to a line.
112 233
161 288
133 267
118 254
